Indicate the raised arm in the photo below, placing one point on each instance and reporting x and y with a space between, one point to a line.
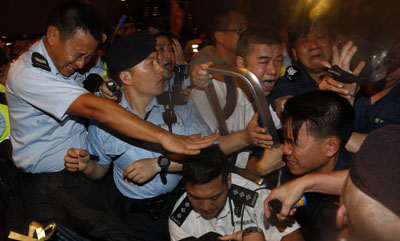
119 119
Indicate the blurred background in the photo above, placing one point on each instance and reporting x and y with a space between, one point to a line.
370 18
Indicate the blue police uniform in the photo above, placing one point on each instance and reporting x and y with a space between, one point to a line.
41 133
109 147
317 218
295 81
145 207
38 98
385 111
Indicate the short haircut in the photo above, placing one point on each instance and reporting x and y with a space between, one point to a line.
260 34
206 166
220 21
71 16
325 114
301 27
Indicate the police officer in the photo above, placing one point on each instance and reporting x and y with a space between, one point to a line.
144 178
221 202
45 101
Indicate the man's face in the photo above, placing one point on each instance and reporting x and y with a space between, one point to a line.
165 56
72 54
147 77
313 48
266 62
307 155
210 198
237 21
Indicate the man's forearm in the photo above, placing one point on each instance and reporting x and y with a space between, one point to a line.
94 170
327 183
116 117
233 142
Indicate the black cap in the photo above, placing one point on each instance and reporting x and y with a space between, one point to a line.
376 167
129 50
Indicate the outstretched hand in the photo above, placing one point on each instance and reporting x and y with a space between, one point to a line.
189 145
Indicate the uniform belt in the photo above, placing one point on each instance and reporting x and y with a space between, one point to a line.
140 205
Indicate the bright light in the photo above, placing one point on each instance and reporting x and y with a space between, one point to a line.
195 46
195 50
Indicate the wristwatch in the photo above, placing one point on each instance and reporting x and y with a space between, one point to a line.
163 162
251 230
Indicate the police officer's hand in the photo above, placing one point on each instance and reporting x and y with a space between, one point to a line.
256 135
178 51
76 159
142 170
199 75
105 92
189 145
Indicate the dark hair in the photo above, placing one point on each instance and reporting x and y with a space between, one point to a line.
220 21
70 16
324 112
206 166
259 34
301 27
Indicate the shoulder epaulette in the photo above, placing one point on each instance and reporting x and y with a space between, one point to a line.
39 61
243 195
181 212
291 72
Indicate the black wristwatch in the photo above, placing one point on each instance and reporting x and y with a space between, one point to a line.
163 162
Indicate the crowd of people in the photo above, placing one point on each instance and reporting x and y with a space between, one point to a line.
114 134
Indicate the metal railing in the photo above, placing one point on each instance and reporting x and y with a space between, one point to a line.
257 93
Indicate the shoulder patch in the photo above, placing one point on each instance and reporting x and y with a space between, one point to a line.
243 195
182 212
39 61
291 72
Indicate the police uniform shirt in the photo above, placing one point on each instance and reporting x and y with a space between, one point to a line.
38 97
385 111
108 146
185 222
295 81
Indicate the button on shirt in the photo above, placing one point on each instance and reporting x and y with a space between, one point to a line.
196 226
109 147
41 130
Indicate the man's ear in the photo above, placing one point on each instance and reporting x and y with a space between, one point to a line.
341 216
52 35
240 62
125 77
219 36
294 54
229 181
333 145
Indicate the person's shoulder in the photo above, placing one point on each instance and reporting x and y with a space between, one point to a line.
182 210
245 191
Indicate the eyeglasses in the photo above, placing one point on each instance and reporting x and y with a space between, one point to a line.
238 31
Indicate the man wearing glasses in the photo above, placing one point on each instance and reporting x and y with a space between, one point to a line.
227 27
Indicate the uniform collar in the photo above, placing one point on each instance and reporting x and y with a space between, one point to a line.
40 48
124 103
